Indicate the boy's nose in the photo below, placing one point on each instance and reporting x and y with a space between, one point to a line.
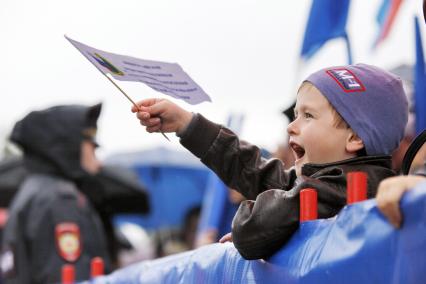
292 128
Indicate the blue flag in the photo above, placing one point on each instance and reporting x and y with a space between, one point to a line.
385 18
327 20
217 210
419 82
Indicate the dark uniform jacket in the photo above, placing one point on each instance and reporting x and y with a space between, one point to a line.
265 222
42 204
51 222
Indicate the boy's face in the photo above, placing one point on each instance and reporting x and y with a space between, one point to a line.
314 138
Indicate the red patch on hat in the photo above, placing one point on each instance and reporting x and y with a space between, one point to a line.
346 80
68 241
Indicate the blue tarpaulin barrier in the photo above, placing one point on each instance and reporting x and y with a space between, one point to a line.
356 246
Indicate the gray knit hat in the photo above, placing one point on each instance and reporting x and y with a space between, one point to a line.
371 100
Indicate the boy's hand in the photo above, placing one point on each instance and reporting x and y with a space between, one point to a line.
390 193
226 238
206 237
162 115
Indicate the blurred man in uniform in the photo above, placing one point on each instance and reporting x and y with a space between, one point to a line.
51 221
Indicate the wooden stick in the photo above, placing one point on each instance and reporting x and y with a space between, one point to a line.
118 87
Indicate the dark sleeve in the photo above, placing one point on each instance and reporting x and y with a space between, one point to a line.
262 227
238 163
14 247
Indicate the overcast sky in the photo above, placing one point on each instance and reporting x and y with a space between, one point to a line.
243 53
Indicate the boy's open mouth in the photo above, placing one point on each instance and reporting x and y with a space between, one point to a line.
298 150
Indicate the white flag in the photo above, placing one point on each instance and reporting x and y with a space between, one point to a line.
166 78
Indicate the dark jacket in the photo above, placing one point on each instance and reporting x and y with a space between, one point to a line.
50 209
263 226
42 204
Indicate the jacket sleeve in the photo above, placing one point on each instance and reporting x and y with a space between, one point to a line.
262 227
238 163
14 243
14 249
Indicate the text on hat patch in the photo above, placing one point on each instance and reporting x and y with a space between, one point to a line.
346 80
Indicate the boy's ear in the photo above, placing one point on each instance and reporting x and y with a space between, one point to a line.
354 143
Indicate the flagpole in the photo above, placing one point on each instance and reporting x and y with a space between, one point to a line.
130 99
121 90
118 87
115 84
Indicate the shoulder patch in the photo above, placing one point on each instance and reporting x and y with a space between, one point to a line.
346 80
68 241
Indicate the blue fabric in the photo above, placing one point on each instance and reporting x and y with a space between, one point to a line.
327 20
213 206
357 246
173 192
381 19
383 13
385 18
175 180
217 210
419 82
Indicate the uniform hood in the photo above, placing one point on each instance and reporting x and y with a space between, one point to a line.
51 138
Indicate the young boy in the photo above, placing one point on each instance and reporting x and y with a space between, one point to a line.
348 118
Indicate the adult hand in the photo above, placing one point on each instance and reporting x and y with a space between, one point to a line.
390 193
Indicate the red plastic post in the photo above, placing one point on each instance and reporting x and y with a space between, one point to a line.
356 187
308 204
68 274
96 267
